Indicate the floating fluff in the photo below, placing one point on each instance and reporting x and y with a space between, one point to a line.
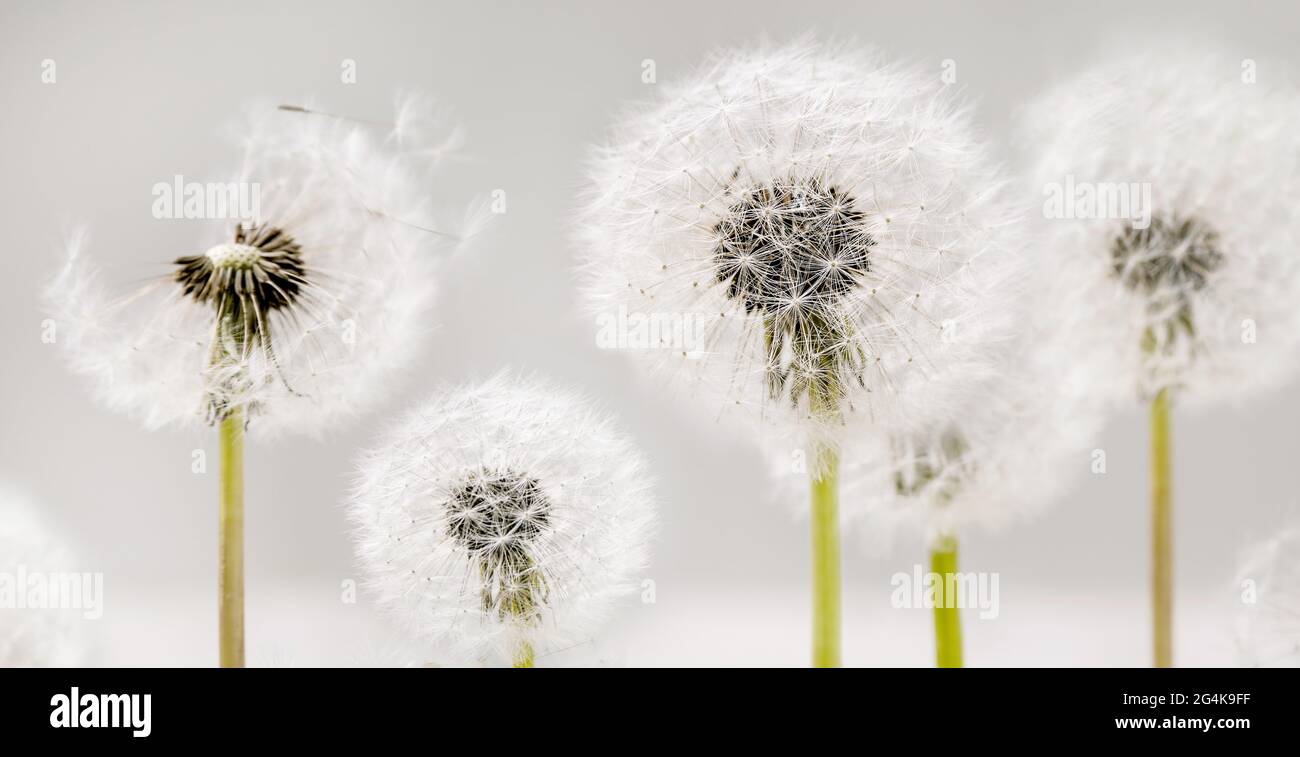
819 219
1169 186
1268 619
502 520
300 314
34 636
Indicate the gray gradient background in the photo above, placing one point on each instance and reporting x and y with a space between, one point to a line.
143 89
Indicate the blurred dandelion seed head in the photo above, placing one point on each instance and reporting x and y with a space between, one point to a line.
1170 254
1193 287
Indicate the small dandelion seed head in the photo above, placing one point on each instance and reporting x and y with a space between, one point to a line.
503 511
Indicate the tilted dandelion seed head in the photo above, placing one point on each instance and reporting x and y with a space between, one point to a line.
262 270
501 513
35 636
823 215
1196 291
296 314
1268 618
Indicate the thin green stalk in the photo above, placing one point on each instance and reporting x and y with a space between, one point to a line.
947 622
826 560
230 579
523 656
522 589
1162 590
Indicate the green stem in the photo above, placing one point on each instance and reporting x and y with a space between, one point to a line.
947 621
826 560
230 580
523 656
1162 590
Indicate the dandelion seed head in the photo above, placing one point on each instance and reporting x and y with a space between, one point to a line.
1168 255
1191 283
816 210
266 275
1020 443
296 314
502 512
496 510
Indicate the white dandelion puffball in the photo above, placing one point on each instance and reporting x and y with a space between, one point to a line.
505 513
1009 453
34 632
807 227
299 314
1268 621
1169 182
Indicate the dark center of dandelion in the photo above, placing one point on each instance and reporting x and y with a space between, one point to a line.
1167 261
497 510
262 270
790 241
496 515
790 251
1172 254
246 280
